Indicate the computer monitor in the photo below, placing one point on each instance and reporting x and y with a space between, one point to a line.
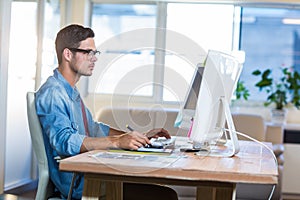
187 111
220 76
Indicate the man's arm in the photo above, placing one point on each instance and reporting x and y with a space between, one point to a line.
117 139
120 139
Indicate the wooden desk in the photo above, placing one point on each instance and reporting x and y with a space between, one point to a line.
215 177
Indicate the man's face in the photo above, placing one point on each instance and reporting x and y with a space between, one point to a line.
82 62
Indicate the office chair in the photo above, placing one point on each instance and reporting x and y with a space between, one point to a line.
250 124
45 188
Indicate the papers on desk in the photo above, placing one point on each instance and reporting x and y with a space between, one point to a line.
146 160
129 156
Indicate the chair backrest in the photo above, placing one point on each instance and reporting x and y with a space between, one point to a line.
250 124
45 186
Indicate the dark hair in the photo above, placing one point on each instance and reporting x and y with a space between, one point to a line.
70 37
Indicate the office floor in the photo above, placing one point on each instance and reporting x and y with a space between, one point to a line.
29 195
25 192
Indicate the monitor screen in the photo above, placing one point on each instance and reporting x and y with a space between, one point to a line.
187 111
220 76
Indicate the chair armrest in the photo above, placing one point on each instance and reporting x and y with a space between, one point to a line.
278 150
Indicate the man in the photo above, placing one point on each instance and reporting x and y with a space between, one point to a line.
68 127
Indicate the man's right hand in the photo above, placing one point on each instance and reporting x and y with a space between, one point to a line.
132 140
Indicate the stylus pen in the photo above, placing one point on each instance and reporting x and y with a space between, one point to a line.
129 128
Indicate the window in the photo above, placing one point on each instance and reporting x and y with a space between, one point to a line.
125 36
201 29
21 73
270 38
136 61
51 27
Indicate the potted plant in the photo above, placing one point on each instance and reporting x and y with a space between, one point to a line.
281 92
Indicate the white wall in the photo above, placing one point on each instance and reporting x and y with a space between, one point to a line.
291 175
4 35
18 151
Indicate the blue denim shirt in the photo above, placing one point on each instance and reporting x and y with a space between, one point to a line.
59 110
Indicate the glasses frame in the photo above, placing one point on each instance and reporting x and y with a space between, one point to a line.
90 52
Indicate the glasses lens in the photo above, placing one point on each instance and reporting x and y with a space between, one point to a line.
94 53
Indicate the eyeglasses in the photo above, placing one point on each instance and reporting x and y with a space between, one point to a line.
90 52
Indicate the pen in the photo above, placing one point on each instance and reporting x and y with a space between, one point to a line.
129 128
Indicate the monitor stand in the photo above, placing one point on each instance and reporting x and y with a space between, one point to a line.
228 148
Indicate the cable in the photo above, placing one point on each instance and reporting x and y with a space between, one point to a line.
264 145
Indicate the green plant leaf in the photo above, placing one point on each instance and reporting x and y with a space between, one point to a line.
264 82
265 74
256 72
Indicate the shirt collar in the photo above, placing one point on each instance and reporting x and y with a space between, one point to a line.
71 91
